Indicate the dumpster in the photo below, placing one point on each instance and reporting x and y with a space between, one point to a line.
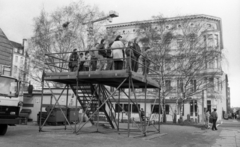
56 115
72 116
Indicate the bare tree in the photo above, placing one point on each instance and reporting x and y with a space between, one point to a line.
59 32
182 50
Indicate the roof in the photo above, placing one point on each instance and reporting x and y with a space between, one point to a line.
178 18
16 45
6 50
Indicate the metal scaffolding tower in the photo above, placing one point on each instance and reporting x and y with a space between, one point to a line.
91 89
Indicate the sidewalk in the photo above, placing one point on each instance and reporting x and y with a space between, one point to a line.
228 138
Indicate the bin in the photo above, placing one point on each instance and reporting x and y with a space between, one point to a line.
56 115
72 116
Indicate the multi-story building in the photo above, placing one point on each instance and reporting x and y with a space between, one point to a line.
228 100
20 65
6 53
204 90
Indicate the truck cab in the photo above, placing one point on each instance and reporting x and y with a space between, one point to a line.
9 102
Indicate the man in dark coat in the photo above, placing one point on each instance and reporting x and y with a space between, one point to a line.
73 61
214 117
137 53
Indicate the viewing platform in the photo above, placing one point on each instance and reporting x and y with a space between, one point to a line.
111 78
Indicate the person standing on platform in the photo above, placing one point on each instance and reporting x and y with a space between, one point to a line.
118 53
130 56
137 53
87 63
102 54
73 61
109 57
94 57
145 60
214 117
82 60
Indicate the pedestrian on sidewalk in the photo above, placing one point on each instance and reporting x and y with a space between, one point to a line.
214 117
207 115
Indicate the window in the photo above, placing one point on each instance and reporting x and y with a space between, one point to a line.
217 62
15 69
135 108
211 64
211 84
20 51
167 109
218 84
193 107
180 85
209 105
168 84
180 42
193 84
22 61
118 108
15 50
167 64
155 109
182 109
125 107
216 41
16 59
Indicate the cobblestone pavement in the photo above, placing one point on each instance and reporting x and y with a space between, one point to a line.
228 138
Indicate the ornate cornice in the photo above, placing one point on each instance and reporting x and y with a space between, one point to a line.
179 18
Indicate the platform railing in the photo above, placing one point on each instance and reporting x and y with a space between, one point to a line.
59 62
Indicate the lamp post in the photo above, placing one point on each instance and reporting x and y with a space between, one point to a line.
89 24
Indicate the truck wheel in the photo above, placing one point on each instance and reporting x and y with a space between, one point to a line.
3 129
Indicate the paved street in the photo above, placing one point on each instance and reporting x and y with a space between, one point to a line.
171 136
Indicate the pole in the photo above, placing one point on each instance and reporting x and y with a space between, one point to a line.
118 108
40 115
98 105
159 110
66 106
145 100
129 92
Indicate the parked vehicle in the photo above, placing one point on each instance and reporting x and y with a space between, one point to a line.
9 102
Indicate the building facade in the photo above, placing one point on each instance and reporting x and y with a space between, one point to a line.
20 65
6 54
206 90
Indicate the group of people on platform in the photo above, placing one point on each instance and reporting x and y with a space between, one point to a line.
211 118
110 56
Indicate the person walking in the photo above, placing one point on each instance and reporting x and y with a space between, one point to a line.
214 117
118 53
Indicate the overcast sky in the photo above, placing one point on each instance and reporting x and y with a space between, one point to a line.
16 20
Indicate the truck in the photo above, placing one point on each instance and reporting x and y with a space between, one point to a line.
10 103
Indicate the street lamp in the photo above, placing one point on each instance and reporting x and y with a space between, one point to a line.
89 24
